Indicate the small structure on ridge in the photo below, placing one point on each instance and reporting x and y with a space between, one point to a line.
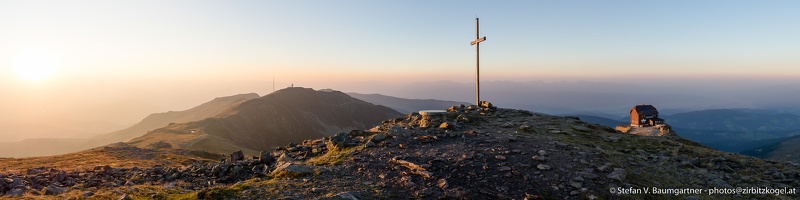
645 122
645 115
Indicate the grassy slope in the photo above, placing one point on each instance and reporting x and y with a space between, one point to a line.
114 155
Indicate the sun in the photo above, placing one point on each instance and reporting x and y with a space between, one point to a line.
36 65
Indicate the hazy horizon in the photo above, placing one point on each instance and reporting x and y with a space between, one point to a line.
103 111
91 67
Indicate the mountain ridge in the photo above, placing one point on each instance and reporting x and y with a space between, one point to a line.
285 116
53 146
211 108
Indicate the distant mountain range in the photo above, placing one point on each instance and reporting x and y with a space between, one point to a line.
572 97
757 132
403 105
158 120
285 116
217 106
53 146
734 130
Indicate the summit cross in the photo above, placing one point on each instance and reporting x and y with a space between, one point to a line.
476 42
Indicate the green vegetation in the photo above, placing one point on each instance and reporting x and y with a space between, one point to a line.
135 192
285 174
112 156
337 154
217 193
334 156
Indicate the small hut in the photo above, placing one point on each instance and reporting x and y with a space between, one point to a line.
645 115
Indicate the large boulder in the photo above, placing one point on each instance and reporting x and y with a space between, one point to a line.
60 176
54 189
237 156
266 157
289 169
284 158
16 192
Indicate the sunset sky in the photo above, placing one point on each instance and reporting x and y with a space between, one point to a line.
251 40
176 54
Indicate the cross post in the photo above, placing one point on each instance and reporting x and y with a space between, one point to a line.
476 42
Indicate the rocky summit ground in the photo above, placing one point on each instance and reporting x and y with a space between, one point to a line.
468 153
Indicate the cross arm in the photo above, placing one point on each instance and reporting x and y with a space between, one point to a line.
476 41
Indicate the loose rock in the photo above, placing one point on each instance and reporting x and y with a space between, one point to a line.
237 156
618 174
543 167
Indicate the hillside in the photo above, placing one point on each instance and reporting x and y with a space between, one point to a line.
89 173
119 155
783 149
53 146
403 105
474 153
285 116
734 130
158 120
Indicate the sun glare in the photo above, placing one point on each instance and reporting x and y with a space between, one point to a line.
36 65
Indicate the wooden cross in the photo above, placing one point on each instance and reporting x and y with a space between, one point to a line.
476 42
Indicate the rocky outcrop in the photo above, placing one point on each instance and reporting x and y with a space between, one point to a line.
195 176
661 130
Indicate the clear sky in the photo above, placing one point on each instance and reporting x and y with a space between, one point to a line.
403 39
85 51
